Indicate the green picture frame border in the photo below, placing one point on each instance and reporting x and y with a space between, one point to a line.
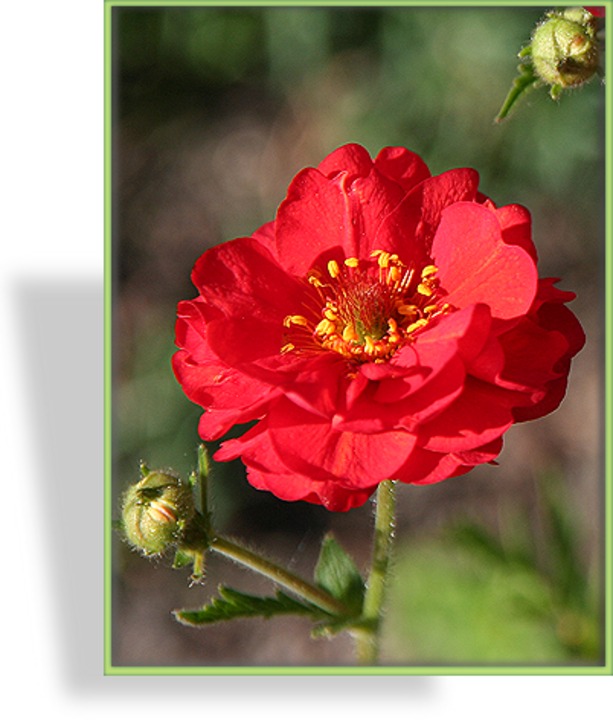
451 670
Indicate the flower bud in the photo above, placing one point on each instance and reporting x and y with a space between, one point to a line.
564 48
156 510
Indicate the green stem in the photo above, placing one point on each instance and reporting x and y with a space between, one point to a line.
204 469
367 638
279 575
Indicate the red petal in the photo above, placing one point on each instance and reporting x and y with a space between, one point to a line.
482 413
352 159
516 225
266 471
311 447
433 195
344 216
242 278
246 297
403 166
477 266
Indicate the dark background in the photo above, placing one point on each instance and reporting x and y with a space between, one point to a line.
214 111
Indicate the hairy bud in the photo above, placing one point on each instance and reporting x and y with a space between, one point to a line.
156 511
565 52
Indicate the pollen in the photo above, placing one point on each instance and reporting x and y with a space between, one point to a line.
367 310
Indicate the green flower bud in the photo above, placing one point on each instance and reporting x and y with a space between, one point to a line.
564 48
156 511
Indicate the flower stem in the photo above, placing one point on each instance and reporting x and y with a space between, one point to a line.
315 595
367 638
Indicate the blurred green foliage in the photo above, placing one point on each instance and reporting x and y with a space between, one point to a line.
215 109
471 596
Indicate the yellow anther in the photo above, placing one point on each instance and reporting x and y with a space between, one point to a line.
424 289
429 309
416 325
315 281
295 320
333 269
392 325
330 314
352 262
369 346
407 310
383 259
325 327
288 347
428 271
349 334
394 274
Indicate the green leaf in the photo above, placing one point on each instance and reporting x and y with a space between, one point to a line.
337 574
233 604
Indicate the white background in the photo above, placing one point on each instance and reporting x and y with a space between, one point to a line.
52 405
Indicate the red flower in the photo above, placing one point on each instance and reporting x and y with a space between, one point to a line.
386 325
596 10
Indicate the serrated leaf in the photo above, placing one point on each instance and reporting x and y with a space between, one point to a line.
233 604
337 574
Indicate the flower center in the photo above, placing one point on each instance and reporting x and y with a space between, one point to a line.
366 309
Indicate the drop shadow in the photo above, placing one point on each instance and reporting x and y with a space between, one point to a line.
62 351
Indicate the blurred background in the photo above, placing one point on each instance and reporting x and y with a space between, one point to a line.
214 111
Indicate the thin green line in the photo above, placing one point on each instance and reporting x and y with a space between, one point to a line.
107 332
608 371
381 670
330 4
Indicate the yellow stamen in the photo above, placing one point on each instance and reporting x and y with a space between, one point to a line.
325 327
330 314
383 259
288 347
416 325
333 269
407 310
349 334
424 289
352 262
394 274
428 271
295 320
369 345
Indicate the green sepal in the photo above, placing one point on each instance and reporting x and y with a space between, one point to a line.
526 80
336 573
182 559
233 604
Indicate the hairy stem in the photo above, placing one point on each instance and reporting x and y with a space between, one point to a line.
367 638
297 585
